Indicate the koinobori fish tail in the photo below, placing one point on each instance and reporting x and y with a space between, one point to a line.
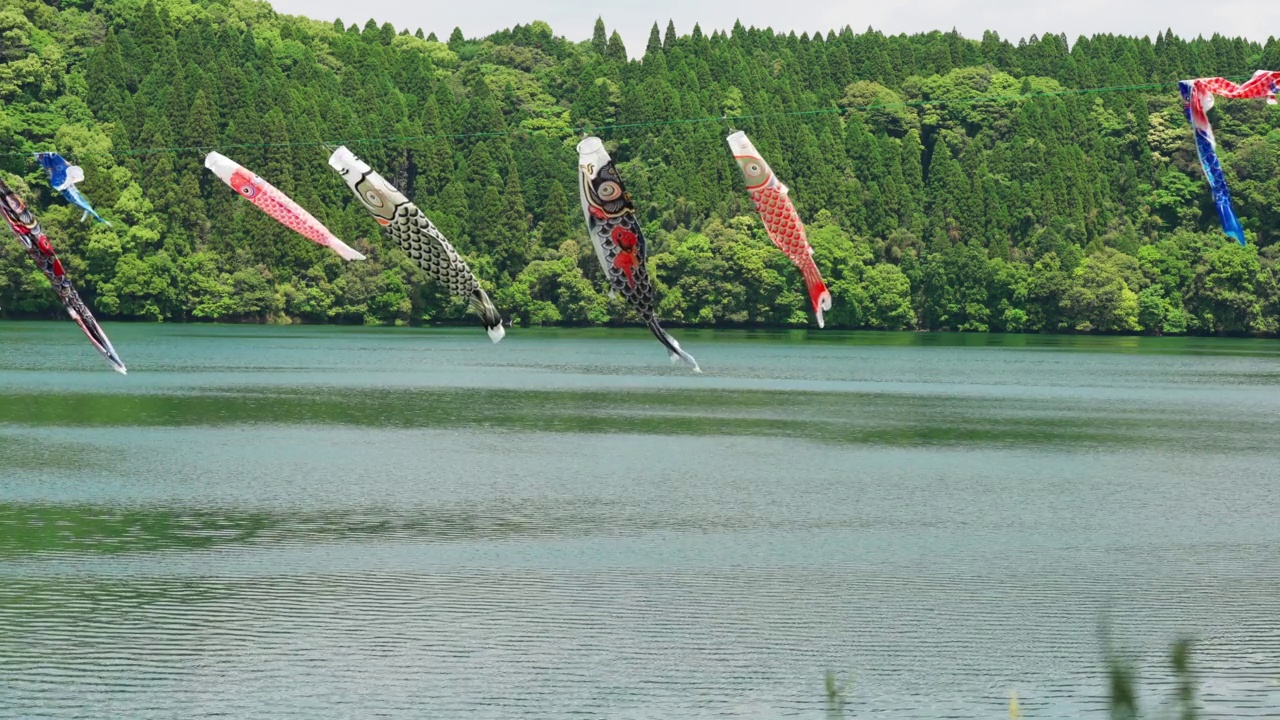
673 348
617 238
482 306
781 221
33 240
417 236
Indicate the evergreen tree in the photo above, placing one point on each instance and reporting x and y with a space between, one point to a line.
555 228
512 250
106 75
599 39
615 50
654 47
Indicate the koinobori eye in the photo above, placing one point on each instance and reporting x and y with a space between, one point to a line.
609 190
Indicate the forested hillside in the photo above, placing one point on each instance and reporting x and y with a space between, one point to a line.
974 195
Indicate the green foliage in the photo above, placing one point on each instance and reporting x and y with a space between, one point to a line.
885 109
1103 296
554 291
960 188
1122 680
836 695
889 298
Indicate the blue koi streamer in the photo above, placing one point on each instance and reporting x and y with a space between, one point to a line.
1194 101
63 177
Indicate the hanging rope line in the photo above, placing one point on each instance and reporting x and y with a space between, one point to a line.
604 129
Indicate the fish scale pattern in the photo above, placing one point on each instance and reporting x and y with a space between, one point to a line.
1263 84
290 214
782 222
431 251
633 283
280 207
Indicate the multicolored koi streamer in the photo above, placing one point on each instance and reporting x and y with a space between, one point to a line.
1197 100
276 204
619 243
33 240
780 218
63 177
416 235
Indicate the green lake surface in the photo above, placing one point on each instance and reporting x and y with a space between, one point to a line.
311 522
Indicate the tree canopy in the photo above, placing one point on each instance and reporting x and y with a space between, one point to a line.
966 189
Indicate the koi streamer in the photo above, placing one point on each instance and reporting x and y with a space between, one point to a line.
276 204
33 240
64 177
619 243
781 221
416 235
1197 100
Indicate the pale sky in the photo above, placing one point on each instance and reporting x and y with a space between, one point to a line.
1013 19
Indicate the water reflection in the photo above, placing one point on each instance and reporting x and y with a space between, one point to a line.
29 530
883 418
319 522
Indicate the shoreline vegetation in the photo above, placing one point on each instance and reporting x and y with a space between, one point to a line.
1122 697
466 322
948 183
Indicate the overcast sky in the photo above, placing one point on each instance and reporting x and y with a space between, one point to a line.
1013 19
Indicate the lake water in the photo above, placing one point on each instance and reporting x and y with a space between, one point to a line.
306 522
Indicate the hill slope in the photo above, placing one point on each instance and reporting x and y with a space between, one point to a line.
1036 212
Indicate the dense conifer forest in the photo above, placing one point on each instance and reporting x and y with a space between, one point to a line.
948 182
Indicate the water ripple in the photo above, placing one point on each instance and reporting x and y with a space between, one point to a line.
324 523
